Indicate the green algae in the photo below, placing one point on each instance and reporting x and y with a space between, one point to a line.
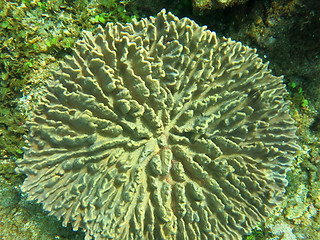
258 233
115 11
297 95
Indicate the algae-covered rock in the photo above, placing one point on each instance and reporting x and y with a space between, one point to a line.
203 5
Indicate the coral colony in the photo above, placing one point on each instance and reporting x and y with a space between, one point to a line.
157 129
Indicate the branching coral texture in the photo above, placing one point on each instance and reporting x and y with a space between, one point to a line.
158 130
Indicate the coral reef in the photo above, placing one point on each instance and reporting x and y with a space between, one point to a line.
35 34
160 122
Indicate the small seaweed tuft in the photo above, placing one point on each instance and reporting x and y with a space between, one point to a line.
297 95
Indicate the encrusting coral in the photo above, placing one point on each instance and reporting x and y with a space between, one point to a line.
157 129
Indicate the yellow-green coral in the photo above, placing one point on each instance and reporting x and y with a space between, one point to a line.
152 126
